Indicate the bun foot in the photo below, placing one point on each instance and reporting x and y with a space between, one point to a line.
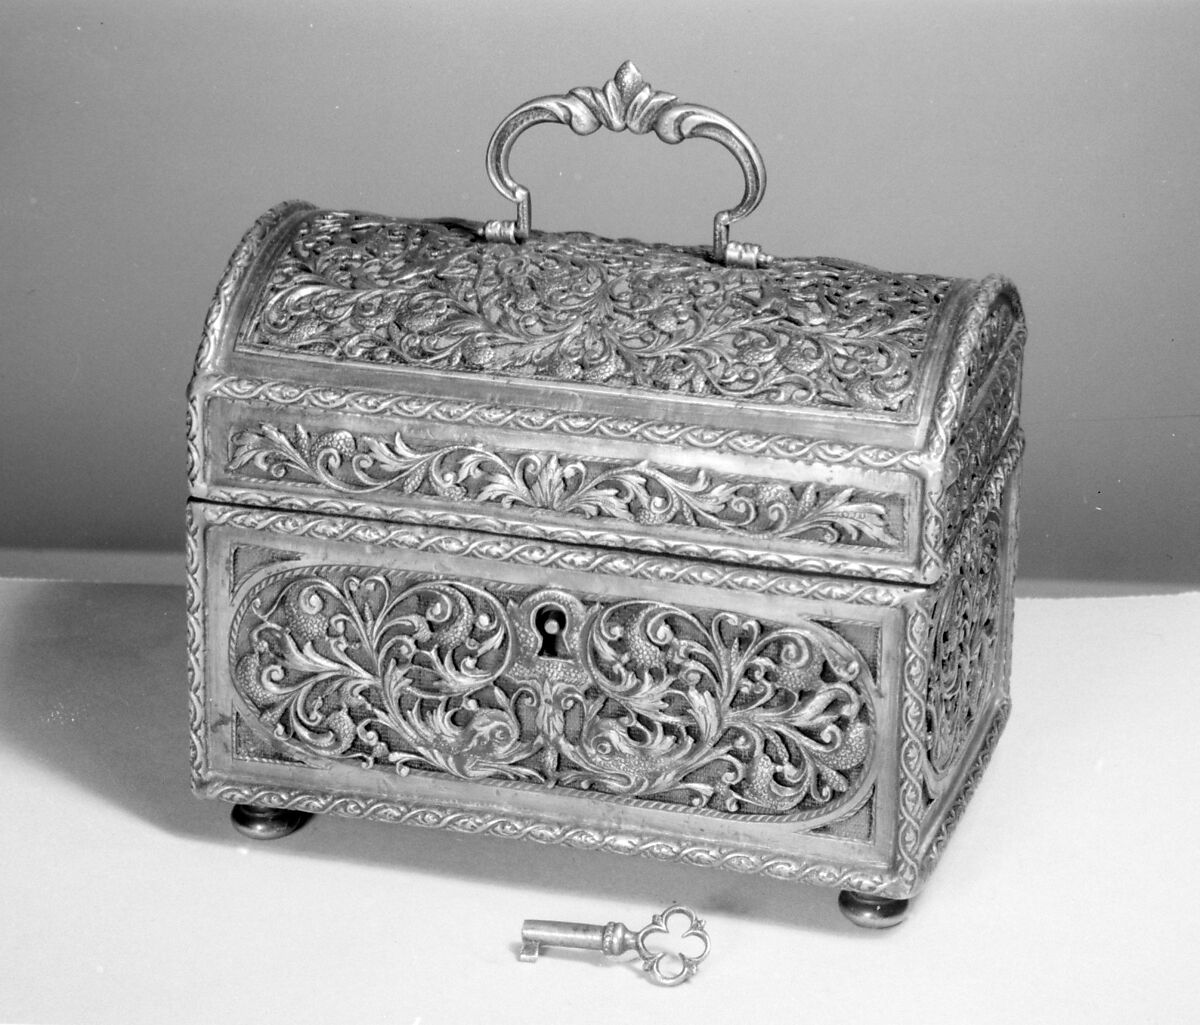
870 912
259 823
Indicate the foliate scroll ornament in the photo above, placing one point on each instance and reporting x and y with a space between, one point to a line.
964 632
364 464
735 440
337 525
578 309
994 334
976 445
216 322
968 432
974 773
633 699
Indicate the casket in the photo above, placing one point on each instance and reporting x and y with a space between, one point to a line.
693 553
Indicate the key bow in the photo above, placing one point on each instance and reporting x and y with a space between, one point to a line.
652 961
615 939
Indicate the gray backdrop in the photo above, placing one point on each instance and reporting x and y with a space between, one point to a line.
1056 143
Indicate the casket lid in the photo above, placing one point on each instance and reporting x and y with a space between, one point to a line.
807 414
585 320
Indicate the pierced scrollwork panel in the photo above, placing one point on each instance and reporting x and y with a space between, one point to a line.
633 699
974 448
993 337
363 464
577 308
964 633
979 438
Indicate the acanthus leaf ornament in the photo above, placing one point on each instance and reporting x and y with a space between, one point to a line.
364 464
673 551
576 308
965 627
714 711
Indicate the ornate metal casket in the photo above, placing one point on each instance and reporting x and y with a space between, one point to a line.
700 555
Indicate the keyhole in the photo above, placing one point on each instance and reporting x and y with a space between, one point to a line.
550 622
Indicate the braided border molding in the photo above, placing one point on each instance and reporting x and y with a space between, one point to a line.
911 804
563 535
551 555
966 341
927 465
231 280
737 441
916 672
951 408
508 826
979 439
914 860
193 431
991 495
1001 489
197 690
913 808
968 787
230 284
201 516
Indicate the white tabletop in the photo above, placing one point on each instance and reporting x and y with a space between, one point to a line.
1065 895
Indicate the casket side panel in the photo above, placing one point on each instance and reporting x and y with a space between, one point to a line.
977 413
957 704
482 733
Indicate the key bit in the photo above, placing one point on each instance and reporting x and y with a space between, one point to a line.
615 939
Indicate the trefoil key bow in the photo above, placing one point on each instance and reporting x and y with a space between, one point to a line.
615 939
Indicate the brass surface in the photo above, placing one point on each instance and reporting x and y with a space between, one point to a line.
667 967
603 543
627 102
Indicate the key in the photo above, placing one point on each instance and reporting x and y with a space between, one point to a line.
615 939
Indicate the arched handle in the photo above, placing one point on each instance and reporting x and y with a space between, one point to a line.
628 102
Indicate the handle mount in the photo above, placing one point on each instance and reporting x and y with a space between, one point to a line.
628 102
